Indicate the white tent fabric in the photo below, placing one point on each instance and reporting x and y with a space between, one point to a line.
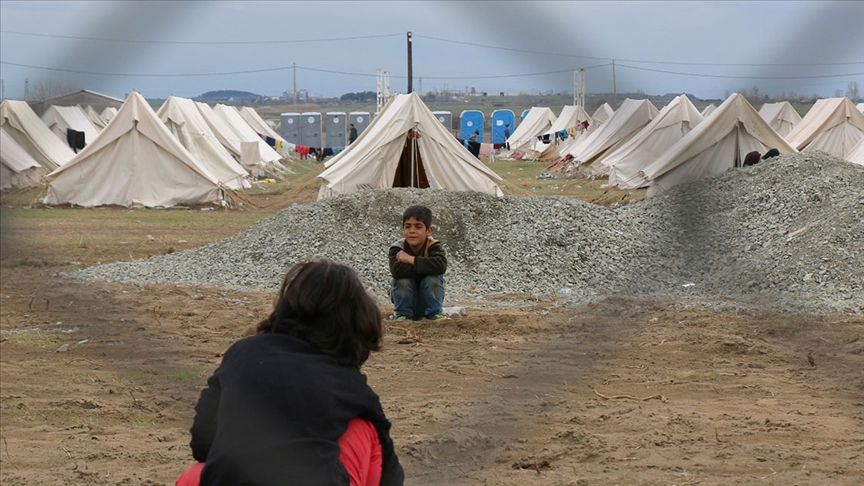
405 145
781 116
18 169
631 117
860 107
232 130
719 143
833 126
108 113
856 155
670 125
537 121
135 161
708 110
258 124
185 122
22 124
571 115
94 118
602 113
61 118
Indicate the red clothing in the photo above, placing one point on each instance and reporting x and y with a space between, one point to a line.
360 453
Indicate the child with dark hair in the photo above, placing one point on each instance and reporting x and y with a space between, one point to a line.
417 265
289 405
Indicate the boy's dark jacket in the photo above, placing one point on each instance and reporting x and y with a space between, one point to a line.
431 260
272 414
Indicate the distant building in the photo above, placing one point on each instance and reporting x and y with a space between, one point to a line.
81 98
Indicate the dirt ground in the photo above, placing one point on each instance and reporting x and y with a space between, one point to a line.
98 382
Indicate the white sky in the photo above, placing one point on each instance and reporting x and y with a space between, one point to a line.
703 48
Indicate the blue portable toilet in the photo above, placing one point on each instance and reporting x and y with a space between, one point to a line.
500 119
289 127
336 130
524 114
469 122
310 129
446 119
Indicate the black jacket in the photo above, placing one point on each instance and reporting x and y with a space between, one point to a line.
432 260
272 412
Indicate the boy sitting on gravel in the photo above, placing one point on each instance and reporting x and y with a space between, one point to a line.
417 264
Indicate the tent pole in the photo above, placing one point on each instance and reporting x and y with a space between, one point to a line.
413 159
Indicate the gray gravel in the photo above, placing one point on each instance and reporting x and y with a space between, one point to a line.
784 235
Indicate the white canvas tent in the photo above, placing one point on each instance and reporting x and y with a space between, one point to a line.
717 144
856 155
185 122
259 125
22 124
61 118
708 110
833 126
670 125
238 137
135 161
18 169
781 116
537 121
571 115
94 118
602 113
631 117
108 113
860 107
406 146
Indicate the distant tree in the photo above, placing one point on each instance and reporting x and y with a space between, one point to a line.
793 96
838 93
52 88
853 92
363 96
727 94
753 94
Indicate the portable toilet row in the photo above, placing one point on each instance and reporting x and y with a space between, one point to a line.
446 119
473 120
307 128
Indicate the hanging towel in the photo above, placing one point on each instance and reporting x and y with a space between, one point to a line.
338 150
75 139
327 152
485 149
270 141
279 145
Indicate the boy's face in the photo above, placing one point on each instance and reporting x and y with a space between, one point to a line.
415 232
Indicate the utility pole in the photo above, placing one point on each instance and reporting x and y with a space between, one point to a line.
614 88
410 70
26 89
579 87
295 83
2 89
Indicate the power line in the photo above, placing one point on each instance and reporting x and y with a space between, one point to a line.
134 41
739 77
282 68
547 53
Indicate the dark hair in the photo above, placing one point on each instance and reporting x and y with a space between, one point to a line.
771 153
324 303
420 213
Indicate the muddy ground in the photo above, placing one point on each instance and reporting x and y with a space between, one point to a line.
98 381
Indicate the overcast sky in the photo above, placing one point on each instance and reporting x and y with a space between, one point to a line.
191 47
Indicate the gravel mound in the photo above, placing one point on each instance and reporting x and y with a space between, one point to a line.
786 234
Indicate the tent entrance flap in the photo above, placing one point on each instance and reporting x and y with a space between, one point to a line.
410 172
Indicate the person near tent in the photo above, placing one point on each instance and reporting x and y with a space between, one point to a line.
352 133
473 137
417 265
771 153
751 159
506 132
289 405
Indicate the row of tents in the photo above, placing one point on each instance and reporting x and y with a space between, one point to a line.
177 156
187 152
640 146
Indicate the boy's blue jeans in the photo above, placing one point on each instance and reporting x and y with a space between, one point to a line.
414 298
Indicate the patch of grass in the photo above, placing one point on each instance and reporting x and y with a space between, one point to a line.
40 339
188 374
141 421
134 379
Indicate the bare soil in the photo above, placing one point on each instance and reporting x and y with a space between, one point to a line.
98 381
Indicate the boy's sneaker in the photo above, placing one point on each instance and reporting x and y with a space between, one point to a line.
396 317
438 317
